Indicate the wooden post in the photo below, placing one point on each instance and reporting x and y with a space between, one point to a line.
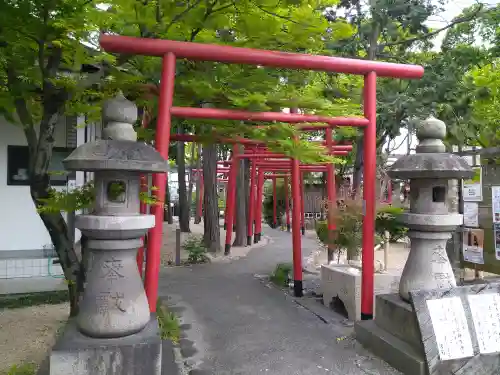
177 246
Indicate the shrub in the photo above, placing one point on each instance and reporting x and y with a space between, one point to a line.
281 274
197 252
348 218
349 222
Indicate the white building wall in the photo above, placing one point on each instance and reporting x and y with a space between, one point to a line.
20 226
22 233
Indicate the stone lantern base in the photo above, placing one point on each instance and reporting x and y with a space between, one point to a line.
77 354
394 335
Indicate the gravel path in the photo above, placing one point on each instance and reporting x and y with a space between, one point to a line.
27 334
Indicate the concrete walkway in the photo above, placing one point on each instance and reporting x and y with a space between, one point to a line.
234 323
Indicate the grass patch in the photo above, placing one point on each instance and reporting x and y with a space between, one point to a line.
14 301
24 369
281 274
170 328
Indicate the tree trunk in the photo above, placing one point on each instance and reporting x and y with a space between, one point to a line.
191 181
211 234
181 172
40 147
197 217
54 222
240 238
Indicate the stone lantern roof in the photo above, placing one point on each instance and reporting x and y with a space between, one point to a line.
119 150
431 159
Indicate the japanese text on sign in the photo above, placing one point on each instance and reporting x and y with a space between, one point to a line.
450 328
485 309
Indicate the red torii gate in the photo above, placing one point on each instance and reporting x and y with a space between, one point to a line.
257 150
278 161
170 51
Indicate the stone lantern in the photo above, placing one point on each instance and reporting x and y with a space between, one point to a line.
394 334
114 303
429 220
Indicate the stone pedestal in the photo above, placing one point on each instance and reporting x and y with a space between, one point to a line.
78 354
394 335
343 281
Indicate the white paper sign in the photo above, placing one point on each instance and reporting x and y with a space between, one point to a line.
450 328
495 203
472 190
485 309
471 214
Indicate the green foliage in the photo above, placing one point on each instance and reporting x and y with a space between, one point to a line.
281 274
115 190
197 252
297 26
387 220
170 328
147 196
322 231
450 88
68 201
349 220
486 102
83 197
24 369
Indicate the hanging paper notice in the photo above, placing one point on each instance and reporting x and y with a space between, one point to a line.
473 188
496 232
450 328
495 203
471 214
473 240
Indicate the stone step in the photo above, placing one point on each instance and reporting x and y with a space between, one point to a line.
394 315
391 349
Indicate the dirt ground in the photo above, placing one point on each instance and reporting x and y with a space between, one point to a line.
28 333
